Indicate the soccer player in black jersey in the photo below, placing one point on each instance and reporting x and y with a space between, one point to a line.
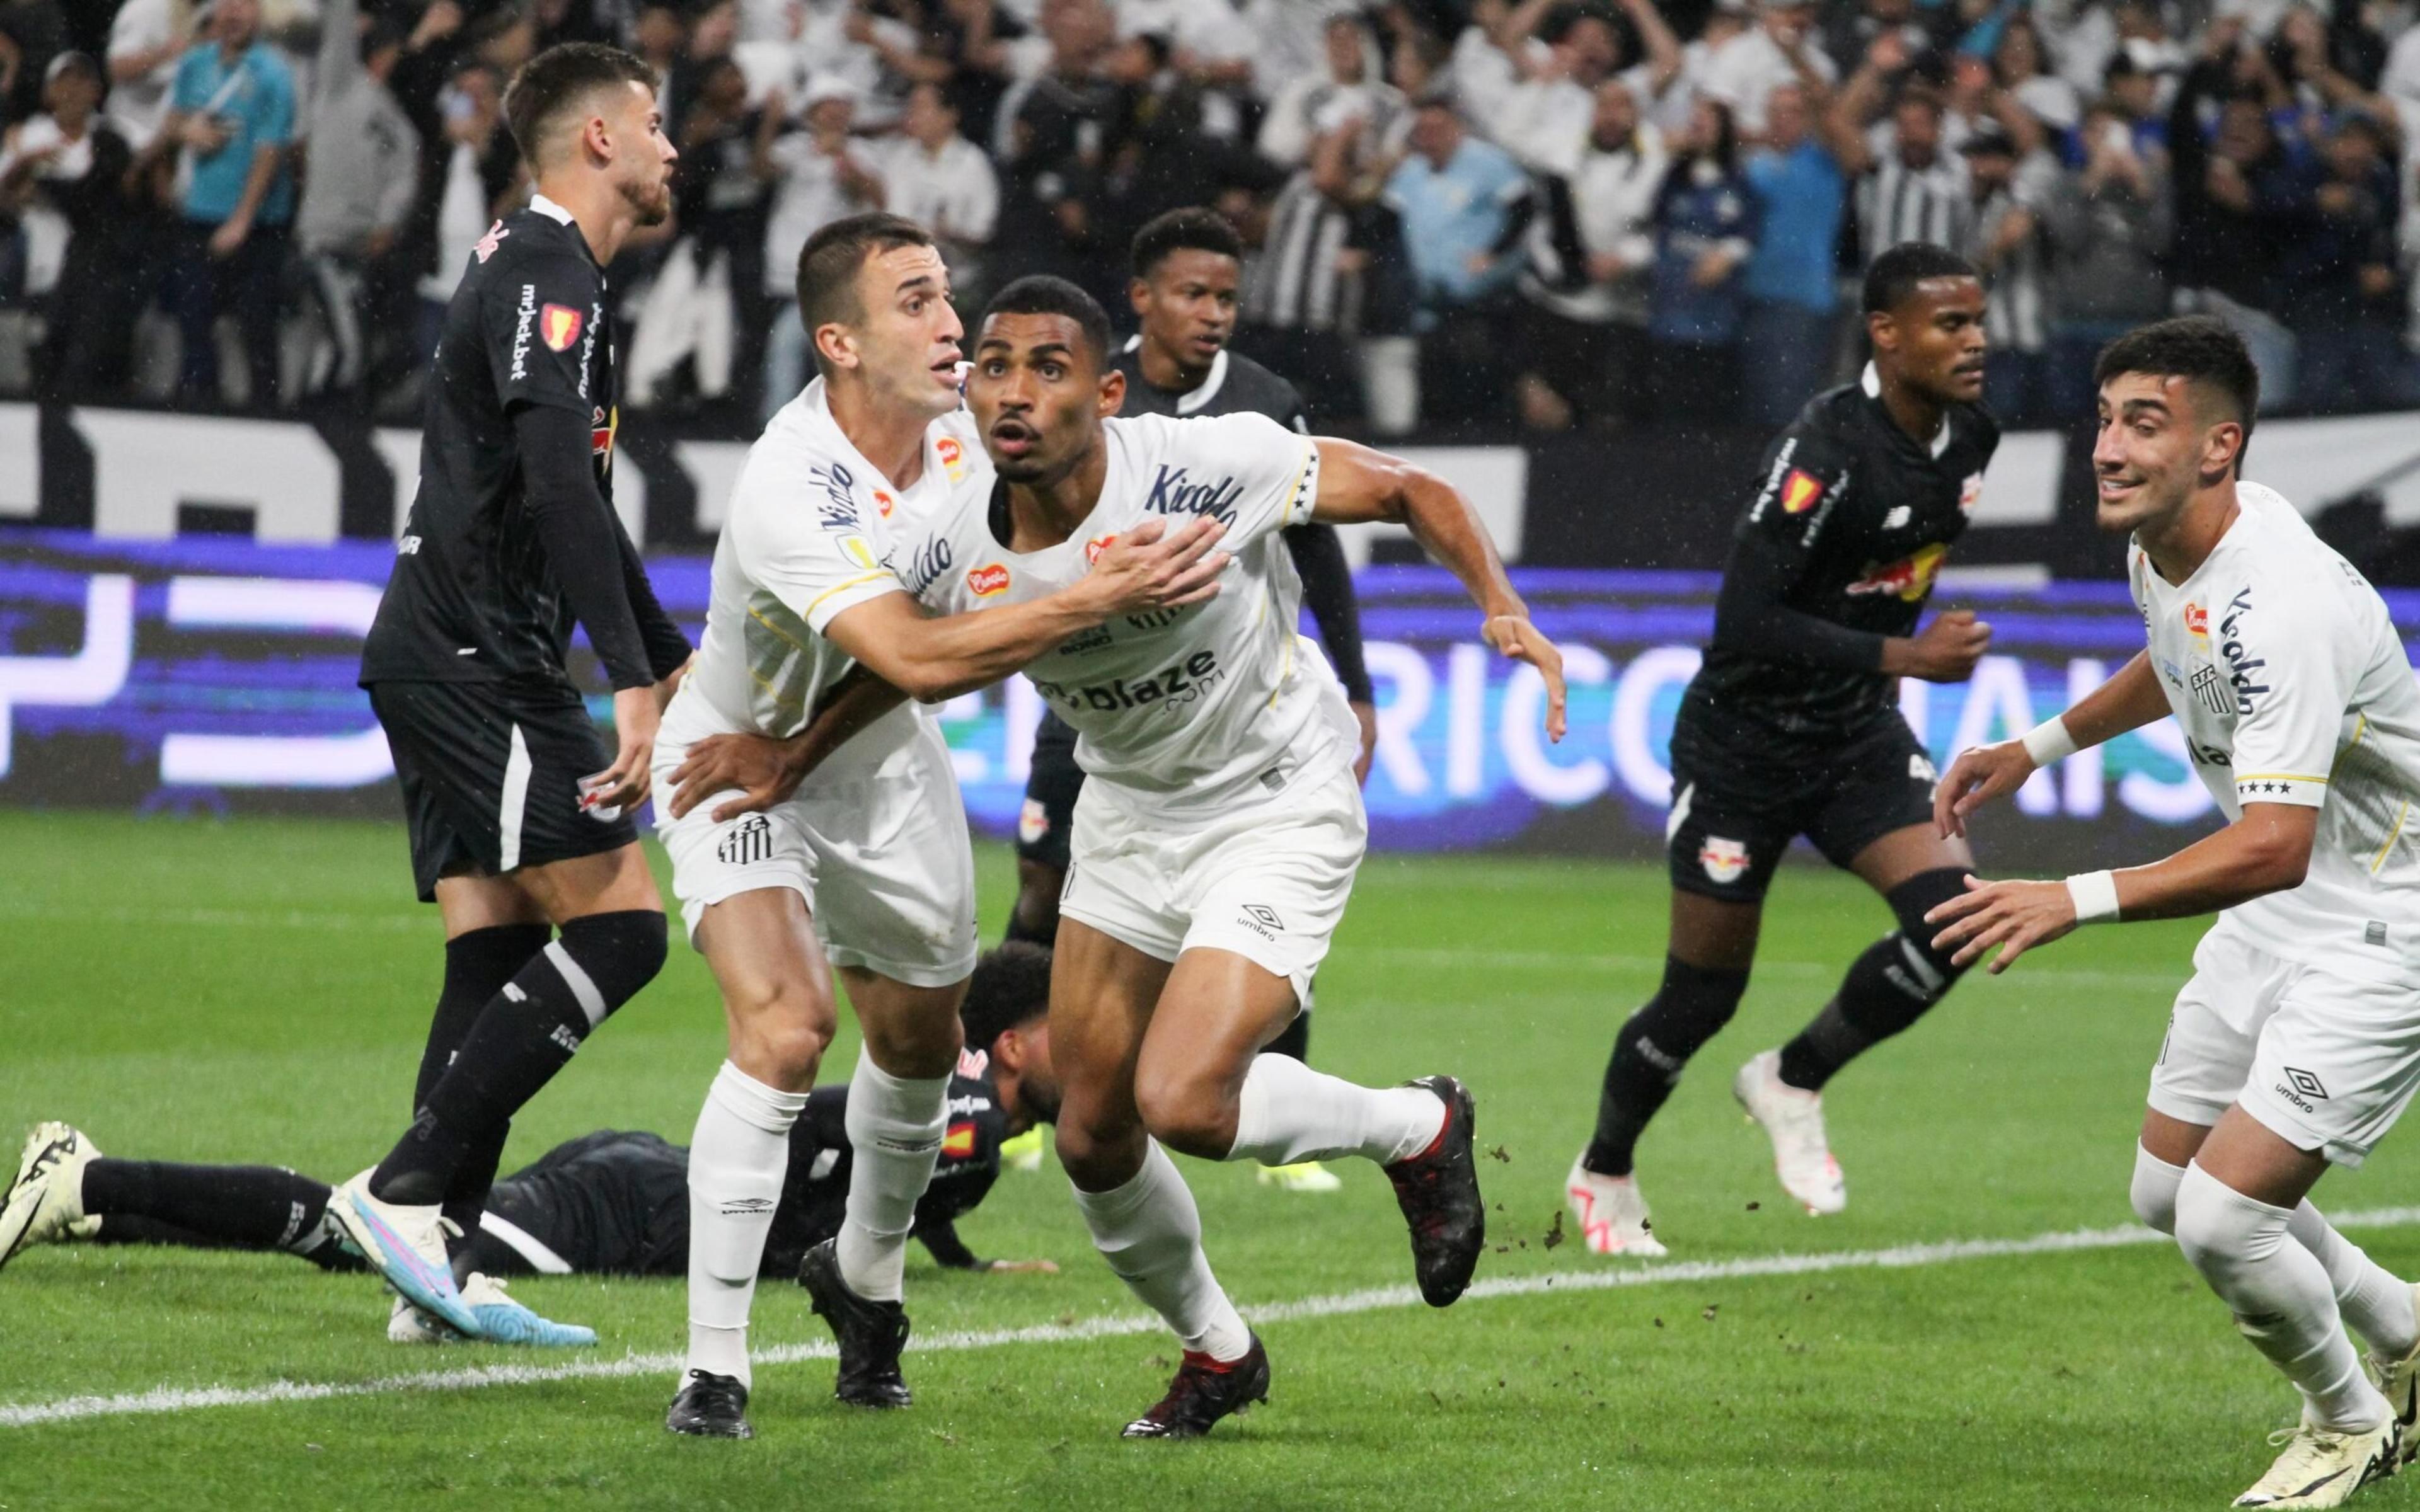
1791 727
609 1203
518 814
1187 267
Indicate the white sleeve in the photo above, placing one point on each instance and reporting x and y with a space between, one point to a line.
815 567
2292 666
1250 471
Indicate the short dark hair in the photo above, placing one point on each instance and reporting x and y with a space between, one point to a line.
2199 348
829 262
1011 988
1044 294
1895 274
1193 228
560 78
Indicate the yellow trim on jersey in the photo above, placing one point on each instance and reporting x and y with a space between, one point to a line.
2403 814
780 634
791 700
842 588
2241 777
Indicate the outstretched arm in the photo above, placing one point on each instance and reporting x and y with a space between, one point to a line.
1359 485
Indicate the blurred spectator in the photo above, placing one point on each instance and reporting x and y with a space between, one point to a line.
820 176
2021 70
1349 87
482 181
1744 75
146 39
1793 282
1910 188
232 116
1327 297
1850 35
707 289
1464 203
2008 245
1706 227
1591 249
943 182
31 33
2238 184
2341 293
1546 120
1052 140
2109 225
70 165
2134 94
364 159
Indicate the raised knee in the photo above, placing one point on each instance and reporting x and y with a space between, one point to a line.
2218 1228
2154 1192
1187 1114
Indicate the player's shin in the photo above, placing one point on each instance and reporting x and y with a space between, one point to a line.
524 1034
1288 1112
896 1124
2280 1295
247 1206
1895 982
1150 1231
2374 1302
1689 1009
736 1161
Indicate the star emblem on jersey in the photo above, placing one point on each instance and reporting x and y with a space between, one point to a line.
558 326
486 246
2210 691
2304 1082
1725 860
1800 492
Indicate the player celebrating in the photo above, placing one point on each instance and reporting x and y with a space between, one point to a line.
1188 267
867 873
1221 825
1791 728
519 820
609 1203
2296 1042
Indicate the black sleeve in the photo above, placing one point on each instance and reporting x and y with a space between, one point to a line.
940 1237
1807 481
667 648
1328 591
580 538
938 1212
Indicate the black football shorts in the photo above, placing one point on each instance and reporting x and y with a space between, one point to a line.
1051 783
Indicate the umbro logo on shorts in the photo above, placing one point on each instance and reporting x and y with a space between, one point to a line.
1261 920
2304 1082
749 841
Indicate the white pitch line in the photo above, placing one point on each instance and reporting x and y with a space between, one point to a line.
164 1399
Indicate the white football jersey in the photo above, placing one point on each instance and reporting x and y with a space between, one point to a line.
1189 709
807 535
2290 685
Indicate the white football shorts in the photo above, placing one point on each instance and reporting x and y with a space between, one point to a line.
2325 1057
1266 880
878 852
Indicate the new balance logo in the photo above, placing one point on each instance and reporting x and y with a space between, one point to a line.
749 842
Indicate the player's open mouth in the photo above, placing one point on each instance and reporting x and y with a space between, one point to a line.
1010 438
2118 488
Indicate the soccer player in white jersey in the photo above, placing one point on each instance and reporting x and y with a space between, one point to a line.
1221 824
2296 1042
867 871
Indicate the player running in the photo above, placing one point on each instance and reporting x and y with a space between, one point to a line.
1188 267
2296 1042
609 1203
1221 825
518 818
1791 727
866 871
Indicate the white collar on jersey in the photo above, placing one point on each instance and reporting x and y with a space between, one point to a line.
1871 381
1194 399
549 208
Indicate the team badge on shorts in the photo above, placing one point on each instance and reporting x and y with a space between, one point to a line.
1725 860
558 326
1033 821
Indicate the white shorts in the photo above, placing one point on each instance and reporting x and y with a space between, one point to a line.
878 852
1268 881
2325 1058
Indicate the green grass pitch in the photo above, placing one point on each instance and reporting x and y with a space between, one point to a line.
256 991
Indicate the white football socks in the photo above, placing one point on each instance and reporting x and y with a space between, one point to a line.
2373 1301
895 1131
736 1161
1288 1111
2280 1295
1150 1232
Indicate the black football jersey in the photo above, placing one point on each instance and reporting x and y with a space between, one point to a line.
1859 516
471 597
1235 385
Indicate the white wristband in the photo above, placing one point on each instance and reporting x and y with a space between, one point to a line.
2095 896
2049 742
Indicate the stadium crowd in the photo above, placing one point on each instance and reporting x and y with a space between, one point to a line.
1462 212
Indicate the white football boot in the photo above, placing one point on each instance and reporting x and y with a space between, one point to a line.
45 1200
1794 1120
1611 1214
2323 1467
